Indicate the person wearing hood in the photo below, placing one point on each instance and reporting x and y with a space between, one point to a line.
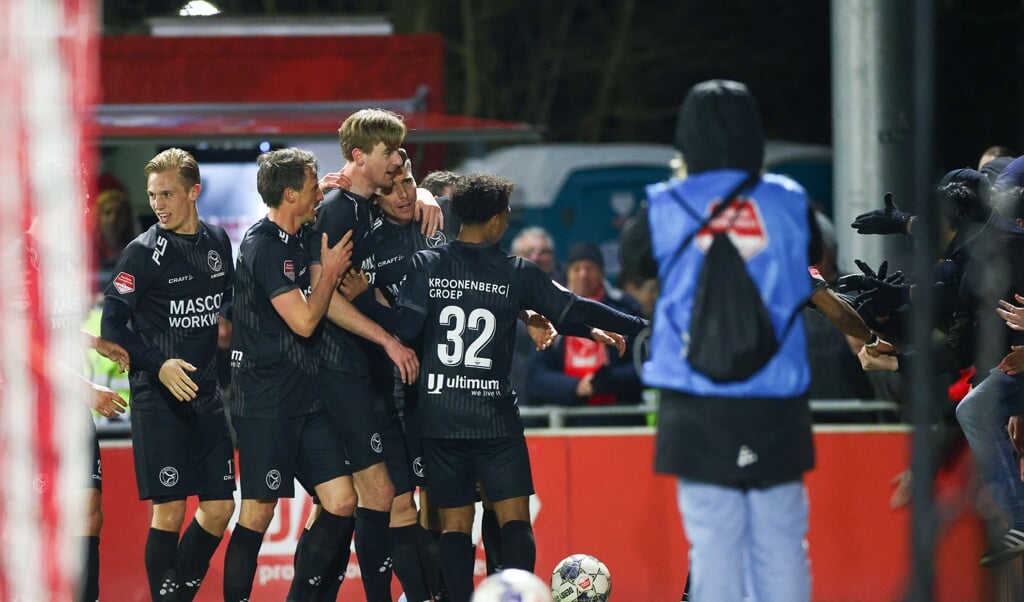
740 448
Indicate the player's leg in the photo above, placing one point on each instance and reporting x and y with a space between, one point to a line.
715 521
240 559
404 525
321 466
451 479
267 448
429 545
778 526
90 587
353 409
160 439
505 475
161 554
490 535
214 466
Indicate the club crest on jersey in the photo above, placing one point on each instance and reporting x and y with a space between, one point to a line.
124 283
289 269
214 261
437 240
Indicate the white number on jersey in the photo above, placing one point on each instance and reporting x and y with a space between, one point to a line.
451 352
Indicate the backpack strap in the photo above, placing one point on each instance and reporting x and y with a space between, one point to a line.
726 201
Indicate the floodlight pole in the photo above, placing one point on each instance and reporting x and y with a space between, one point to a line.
925 393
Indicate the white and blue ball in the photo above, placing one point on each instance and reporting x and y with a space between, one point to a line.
512 585
581 578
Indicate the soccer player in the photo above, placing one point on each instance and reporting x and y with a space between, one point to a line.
461 302
393 240
62 313
369 142
286 276
163 306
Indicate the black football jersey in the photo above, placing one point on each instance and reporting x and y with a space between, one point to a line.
273 369
175 286
471 296
340 212
391 246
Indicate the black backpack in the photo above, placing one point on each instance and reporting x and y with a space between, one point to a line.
730 335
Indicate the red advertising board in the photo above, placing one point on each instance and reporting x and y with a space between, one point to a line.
596 493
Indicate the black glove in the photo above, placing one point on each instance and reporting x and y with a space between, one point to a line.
867 280
882 221
884 298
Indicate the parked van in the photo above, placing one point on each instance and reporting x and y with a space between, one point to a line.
587 191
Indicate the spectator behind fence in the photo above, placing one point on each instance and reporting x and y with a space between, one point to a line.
535 244
583 372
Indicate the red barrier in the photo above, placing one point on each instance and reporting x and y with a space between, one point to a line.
597 494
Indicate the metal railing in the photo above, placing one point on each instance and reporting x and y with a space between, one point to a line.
556 416
882 411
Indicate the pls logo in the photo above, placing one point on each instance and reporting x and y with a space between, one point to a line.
435 383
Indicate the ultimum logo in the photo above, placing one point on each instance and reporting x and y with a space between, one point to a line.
436 384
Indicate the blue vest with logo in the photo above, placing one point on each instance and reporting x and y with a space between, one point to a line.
771 233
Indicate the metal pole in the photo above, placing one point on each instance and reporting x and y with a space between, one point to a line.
925 392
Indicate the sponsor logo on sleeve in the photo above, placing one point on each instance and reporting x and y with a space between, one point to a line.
124 283
289 269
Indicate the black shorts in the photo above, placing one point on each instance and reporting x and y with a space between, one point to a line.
179 452
358 415
273 452
414 449
95 480
397 458
501 464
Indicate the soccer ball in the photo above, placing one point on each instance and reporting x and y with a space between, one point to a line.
581 578
512 585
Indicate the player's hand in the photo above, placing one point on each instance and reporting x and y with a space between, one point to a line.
428 213
541 330
113 352
612 339
901 495
335 180
882 348
585 386
353 284
106 402
173 375
404 358
877 362
889 220
1015 428
1013 363
1013 314
334 261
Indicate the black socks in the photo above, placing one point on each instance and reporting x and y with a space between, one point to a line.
194 552
373 553
321 545
162 565
456 554
518 546
240 563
